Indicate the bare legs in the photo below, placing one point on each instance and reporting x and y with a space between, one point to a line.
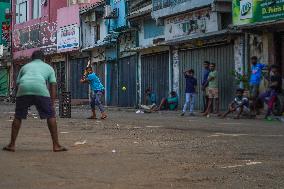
16 125
209 107
212 103
51 122
94 115
216 105
52 126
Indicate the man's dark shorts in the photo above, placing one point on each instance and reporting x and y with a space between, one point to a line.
42 104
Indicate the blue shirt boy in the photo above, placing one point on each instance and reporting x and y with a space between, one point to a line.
95 82
191 83
256 72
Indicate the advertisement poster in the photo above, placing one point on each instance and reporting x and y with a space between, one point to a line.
39 35
254 11
68 38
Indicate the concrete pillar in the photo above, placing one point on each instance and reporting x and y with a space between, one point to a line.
239 55
105 84
139 80
170 70
176 62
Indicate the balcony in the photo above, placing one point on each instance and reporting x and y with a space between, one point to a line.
167 8
161 4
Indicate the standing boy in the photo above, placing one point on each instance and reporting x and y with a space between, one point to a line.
190 91
275 88
213 92
255 79
204 84
32 90
98 91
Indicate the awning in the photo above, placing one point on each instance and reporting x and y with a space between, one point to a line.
108 41
200 36
91 7
260 25
140 12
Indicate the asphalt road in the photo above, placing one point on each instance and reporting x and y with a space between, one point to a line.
133 151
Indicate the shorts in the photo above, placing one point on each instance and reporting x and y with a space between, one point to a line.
205 92
43 105
254 91
246 110
213 93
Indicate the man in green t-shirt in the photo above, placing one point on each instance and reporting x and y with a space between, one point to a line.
170 103
32 90
213 92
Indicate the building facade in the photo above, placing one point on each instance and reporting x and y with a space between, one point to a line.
153 60
198 31
136 45
34 28
262 25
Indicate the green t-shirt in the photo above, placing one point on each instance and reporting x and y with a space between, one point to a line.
213 83
33 79
173 102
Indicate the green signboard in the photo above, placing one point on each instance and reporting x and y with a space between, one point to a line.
4 82
254 11
3 6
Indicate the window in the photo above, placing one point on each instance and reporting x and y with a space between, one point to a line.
36 9
21 11
98 33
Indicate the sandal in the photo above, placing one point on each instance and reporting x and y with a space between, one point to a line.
92 117
6 148
63 149
104 117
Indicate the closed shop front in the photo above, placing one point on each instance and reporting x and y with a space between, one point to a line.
155 74
127 88
223 56
78 90
59 68
279 50
112 84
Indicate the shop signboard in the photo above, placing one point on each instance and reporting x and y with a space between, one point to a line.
68 38
256 11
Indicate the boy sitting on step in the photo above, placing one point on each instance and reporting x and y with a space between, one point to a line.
240 104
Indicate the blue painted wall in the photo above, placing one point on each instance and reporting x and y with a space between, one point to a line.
121 20
151 30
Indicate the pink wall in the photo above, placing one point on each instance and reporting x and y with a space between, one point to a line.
49 16
68 16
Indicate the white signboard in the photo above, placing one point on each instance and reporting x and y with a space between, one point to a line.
68 38
190 24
